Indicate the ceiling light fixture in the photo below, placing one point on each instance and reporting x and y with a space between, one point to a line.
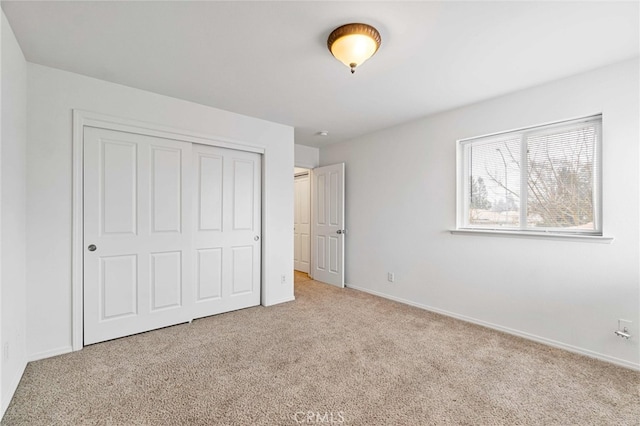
352 44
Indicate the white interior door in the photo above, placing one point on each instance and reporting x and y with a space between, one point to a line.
227 231
328 224
137 233
302 224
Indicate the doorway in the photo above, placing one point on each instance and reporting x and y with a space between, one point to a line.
302 220
319 230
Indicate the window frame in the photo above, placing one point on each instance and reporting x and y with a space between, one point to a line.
463 174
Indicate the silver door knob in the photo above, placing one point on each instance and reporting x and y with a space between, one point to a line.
339 231
256 238
92 247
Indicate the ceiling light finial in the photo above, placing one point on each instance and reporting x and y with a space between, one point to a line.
352 44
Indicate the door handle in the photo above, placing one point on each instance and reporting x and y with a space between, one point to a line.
341 231
92 247
256 238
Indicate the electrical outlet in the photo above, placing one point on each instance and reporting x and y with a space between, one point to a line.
5 351
391 277
283 279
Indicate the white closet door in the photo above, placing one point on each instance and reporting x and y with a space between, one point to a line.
302 224
227 229
137 233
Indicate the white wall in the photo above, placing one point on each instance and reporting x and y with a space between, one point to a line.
12 216
52 94
306 156
401 202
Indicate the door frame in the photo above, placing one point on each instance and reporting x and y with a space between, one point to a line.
82 119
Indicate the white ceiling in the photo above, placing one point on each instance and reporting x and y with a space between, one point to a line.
270 60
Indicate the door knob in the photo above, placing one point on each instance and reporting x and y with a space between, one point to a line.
339 231
256 238
92 247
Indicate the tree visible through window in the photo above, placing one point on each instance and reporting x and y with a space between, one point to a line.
539 179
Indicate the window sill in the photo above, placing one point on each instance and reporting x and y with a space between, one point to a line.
532 235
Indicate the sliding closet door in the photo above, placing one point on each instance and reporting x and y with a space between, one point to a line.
172 232
227 229
138 271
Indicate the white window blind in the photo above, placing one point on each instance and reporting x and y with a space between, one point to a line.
539 179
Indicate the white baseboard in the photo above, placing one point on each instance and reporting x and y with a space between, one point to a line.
279 301
48 354
528 336
13 386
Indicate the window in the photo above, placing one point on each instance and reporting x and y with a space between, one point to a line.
543 179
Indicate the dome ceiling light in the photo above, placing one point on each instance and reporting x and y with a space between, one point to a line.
353 44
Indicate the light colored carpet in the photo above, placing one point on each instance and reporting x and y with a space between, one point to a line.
339 355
